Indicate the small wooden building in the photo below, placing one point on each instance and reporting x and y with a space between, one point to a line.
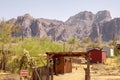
62 65
97 55
62 61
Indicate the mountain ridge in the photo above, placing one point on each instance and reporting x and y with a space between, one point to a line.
83 24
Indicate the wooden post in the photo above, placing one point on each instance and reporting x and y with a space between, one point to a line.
88 67
51 67
64 47
48 68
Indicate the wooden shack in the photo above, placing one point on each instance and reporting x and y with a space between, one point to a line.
62 65
97 55
61 62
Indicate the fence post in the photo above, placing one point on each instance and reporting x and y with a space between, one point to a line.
51 66
87 71
48 68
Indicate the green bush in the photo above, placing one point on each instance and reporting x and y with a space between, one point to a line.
37 48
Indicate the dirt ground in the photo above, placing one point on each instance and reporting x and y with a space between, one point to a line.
98 72
75 75
7 76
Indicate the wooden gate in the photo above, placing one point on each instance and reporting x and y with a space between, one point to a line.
40 73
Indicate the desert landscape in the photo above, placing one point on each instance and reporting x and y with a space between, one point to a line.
59 40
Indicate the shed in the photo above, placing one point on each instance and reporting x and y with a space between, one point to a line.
62 65
97 55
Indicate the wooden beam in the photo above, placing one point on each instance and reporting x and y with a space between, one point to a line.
73 54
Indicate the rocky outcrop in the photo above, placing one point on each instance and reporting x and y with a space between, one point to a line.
111 30
79 25
102 16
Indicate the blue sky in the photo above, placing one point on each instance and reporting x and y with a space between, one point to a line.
56 9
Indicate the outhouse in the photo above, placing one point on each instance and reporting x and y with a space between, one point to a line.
62 65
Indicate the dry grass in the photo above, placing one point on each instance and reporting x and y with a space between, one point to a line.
111 62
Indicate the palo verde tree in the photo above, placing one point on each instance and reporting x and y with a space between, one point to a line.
6 31
73 42
36 49
5 34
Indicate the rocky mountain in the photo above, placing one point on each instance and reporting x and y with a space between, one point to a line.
83 24
31 27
